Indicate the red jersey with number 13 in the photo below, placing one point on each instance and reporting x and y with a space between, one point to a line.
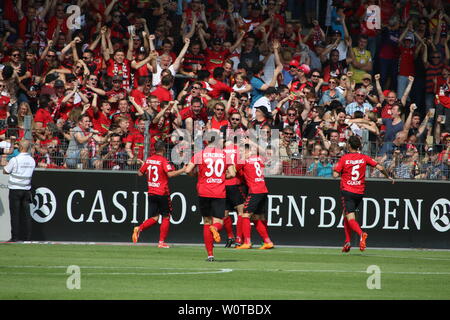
352 168
156 167
211 172
253 172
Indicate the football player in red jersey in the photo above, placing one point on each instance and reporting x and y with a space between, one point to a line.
352 169
158 170
255 206
212 172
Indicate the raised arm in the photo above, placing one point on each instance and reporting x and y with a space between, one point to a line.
407 90
177 63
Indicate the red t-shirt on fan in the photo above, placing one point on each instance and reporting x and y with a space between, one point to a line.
156 167
211 172
352 168
253 172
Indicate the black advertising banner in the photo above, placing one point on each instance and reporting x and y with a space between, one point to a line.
105 206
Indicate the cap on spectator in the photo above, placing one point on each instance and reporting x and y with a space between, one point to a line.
367 76
12 121
117 78
294 63
305 68
264 110
445 135
205 85
256 6
59 83
217 41
335 32
51 77
70 77
321 44
271 90
409 36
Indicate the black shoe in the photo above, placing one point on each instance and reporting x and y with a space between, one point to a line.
210 259
229 243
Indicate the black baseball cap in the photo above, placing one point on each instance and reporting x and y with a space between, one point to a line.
59 83
12 121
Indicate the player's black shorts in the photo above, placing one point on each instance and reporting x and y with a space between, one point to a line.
350 201
212 207
159 205
256 203
235 197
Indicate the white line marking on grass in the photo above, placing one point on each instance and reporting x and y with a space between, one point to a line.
207 271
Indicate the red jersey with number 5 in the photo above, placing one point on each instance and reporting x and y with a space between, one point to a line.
253 172
156 168
352 168
212 168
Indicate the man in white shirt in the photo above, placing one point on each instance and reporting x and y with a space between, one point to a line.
20 169
268 100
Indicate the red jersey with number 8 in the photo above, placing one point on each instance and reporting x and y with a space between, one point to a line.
156 168
352 168
253 172
212 169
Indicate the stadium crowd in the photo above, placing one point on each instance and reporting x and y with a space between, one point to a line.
93 87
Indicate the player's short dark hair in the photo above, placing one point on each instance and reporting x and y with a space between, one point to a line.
354 142
160 146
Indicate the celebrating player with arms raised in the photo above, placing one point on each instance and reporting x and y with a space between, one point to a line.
352 169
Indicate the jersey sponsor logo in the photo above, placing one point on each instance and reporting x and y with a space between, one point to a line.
440 215
154 184
214 180
353 183
44 204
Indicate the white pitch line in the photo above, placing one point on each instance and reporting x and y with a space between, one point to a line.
122 273
207 271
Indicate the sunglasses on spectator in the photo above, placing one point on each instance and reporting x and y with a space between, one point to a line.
194 87
235 119
85 58
219 109
288 133
244 100
15 55
292 114
315 75
51 56
332 82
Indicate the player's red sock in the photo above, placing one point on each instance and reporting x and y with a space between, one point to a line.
239 235
261 227
147 224
164 229
246 230
218 226
228 226
347 230
208 239
354 225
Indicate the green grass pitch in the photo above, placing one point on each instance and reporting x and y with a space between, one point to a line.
111 271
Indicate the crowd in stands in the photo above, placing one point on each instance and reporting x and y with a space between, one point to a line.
95 83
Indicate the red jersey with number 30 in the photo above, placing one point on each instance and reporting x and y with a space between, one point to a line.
253 172
212 168
352 168
156 168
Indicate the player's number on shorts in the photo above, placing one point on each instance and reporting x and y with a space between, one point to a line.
257 169
355 172
214 167
155 173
